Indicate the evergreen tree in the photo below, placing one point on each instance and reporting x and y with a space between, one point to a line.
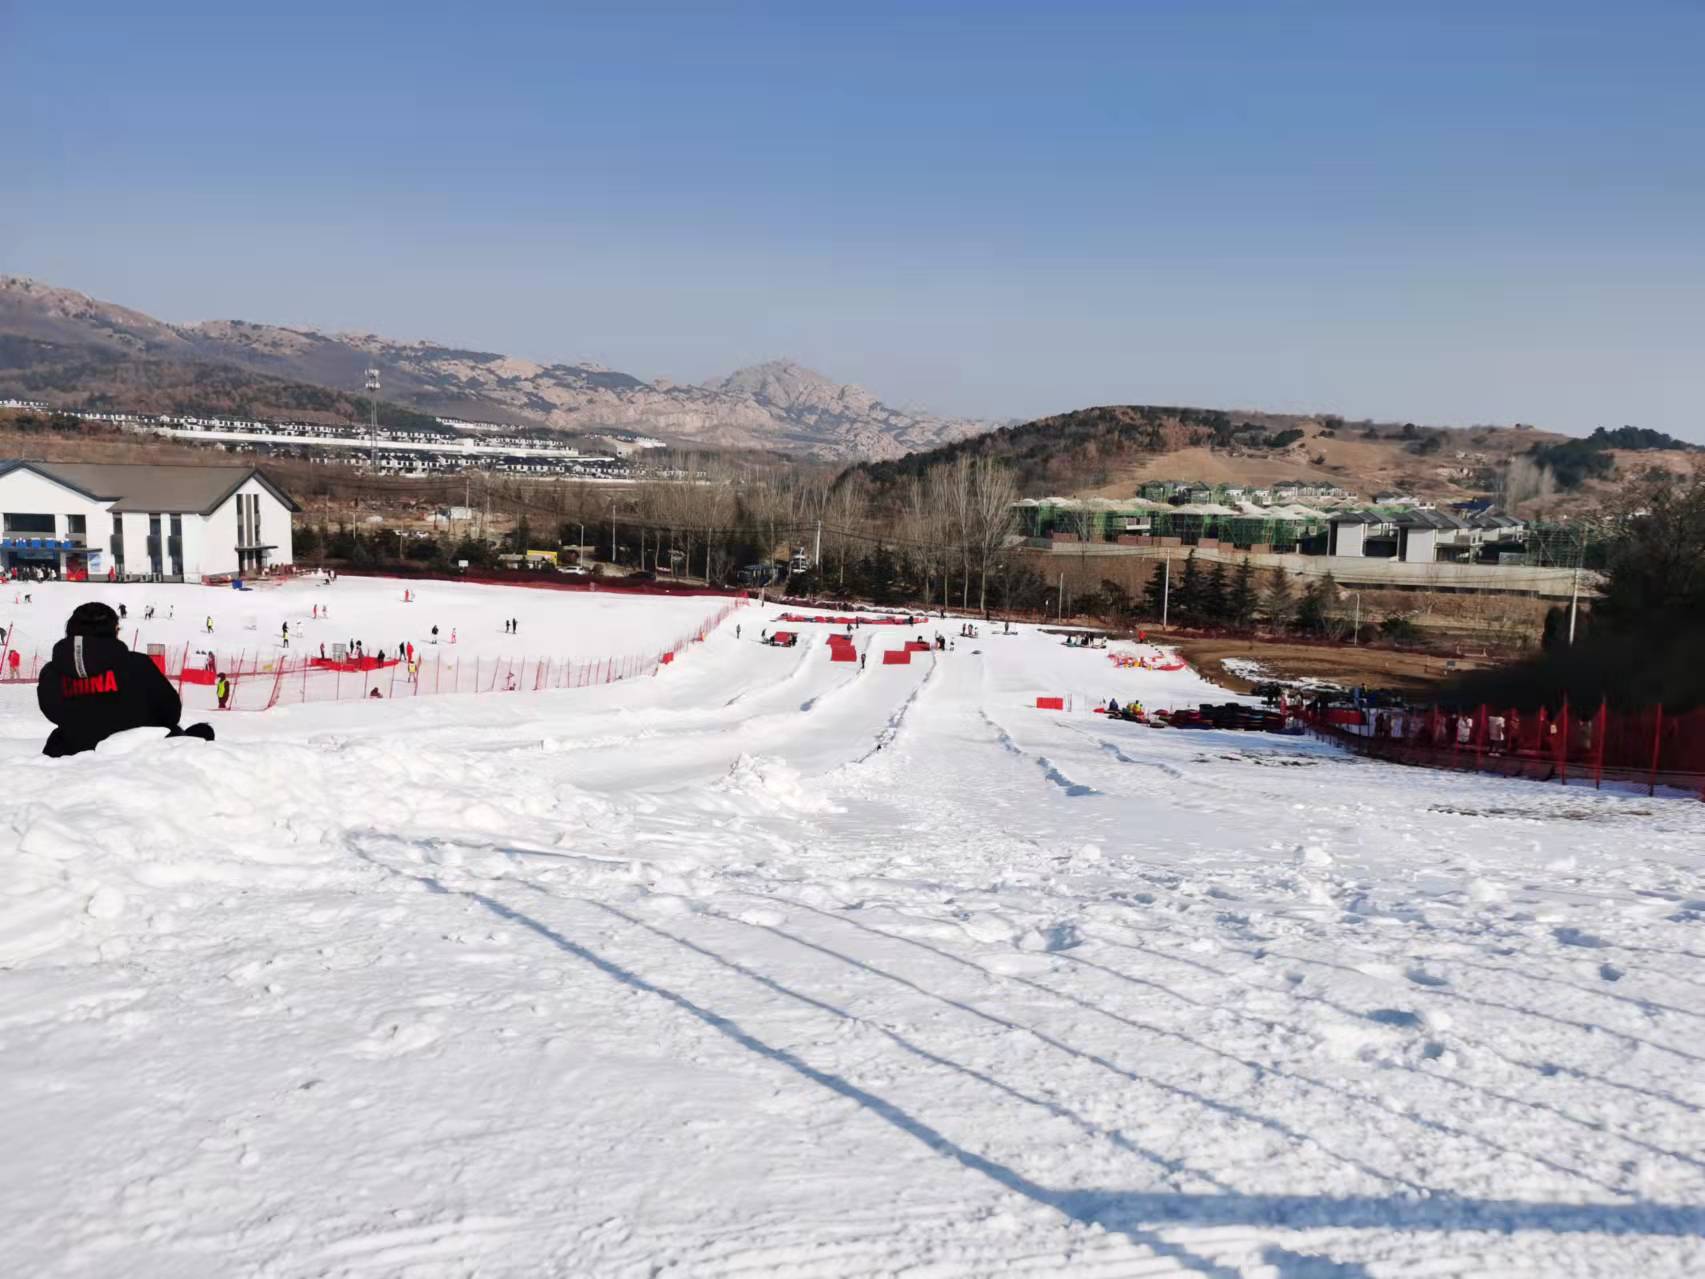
1115 602
1187 595
1240 605
1154 594
1277 601
1329 595
1216 598
1311 609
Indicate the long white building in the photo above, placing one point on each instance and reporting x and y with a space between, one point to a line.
85 519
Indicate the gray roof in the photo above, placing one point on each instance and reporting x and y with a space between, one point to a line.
1356 517
197 490
1433 519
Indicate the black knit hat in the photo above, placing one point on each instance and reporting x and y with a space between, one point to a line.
92 620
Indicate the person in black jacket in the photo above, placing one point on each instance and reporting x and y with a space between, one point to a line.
94 686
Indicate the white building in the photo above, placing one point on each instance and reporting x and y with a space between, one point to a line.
176 522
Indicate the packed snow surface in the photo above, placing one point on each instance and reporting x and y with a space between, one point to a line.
773 965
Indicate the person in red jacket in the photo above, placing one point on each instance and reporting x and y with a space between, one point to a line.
94 686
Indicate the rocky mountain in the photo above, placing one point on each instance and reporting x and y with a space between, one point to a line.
73 351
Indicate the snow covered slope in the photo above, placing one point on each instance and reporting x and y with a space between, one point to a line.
772 965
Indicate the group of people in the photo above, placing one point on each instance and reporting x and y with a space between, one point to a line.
1131 711
32 573
1086 641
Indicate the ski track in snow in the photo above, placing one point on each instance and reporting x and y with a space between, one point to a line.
775 966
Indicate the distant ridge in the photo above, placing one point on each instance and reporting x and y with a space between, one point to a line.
75 351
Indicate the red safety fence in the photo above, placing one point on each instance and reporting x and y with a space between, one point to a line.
1648 747
261 681
874 619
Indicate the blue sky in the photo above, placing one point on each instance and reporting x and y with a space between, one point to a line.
1444 213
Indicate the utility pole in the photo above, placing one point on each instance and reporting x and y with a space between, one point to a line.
612 532
1165 591
1356 632
1575 590
1062 595
817 555
373 419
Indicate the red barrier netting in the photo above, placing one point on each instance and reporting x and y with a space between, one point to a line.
1648 747
856 620
259 682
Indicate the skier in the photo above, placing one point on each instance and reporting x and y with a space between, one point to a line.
861 661
123 612
452 634
222 690
94 687
210 623
434 634
737 630
514 626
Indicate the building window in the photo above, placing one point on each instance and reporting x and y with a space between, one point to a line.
175 545
254 520
76 526
154 547
29 525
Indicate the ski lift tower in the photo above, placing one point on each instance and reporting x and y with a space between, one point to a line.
373 419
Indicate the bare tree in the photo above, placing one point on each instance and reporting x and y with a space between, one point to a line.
848 513
993 492
1528 484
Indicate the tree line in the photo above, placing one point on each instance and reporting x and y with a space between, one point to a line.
1219 597
937 539
1640 644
